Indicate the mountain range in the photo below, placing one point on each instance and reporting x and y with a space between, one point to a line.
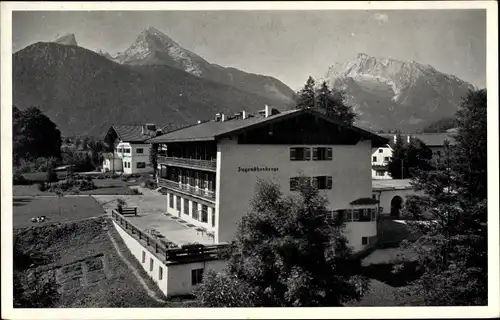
392 94
156 80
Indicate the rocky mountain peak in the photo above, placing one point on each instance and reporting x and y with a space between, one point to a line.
67 39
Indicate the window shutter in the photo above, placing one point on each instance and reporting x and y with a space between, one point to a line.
329 153
355 214
329 182
307 153
315 153
292 154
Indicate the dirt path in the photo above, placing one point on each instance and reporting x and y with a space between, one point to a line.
150 292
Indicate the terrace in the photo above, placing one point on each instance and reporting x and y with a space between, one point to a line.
170 238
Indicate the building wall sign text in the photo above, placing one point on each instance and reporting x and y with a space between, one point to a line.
257 169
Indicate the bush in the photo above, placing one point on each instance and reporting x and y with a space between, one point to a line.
19 179
42 186
135 191
88 178
151 184
73 185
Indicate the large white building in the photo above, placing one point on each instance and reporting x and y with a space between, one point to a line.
210 170
131 151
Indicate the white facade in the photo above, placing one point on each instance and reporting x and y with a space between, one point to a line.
380 158
113 163
134 157
172 279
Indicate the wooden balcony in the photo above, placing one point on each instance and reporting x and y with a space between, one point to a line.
207 165
187 189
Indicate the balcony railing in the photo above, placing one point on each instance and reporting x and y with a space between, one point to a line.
186 188
210 165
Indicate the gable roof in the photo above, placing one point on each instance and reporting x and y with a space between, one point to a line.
212 130
435 139
130 133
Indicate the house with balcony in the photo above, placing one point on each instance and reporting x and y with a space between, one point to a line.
130 150
210 169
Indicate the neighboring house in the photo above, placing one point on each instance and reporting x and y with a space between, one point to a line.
380 162
435 142
211 169
131 151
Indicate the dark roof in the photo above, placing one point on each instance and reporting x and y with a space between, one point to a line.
212 130
129 133
434 139
362 201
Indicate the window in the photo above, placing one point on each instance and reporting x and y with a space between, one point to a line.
365 214
143 257
380 150
194 210
213 217
178 204
120 150
355 215
171 200
322 182
380 173
126 150
374 196
205 181
197 179
374 159
139 150
141 165
364 240
150 264
387 159
186 206
322 153
204 213
160 273
298 154
196 276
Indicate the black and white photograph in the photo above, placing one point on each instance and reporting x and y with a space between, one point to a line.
219 156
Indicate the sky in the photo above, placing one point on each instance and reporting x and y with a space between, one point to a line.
288 45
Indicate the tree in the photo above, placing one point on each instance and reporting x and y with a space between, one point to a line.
34 135
333 104
51 173
307 95
453 250
78 143
85 142
287 254
153 158
229 291
396 164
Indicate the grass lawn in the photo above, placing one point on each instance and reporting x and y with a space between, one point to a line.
107 283
72 208
104 186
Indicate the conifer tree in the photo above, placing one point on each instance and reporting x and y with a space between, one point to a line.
452 253
307 96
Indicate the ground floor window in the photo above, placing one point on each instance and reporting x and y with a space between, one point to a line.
380 173
171 200
160 273
186 207
196 276
364 240
195 210
143 257
140 165
151 264
178 203
204 213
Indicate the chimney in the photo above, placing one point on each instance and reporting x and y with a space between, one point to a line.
243 114
223 117
266 112
217 117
